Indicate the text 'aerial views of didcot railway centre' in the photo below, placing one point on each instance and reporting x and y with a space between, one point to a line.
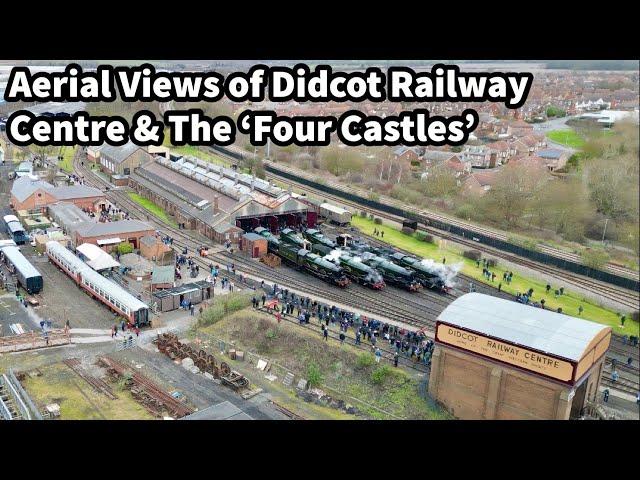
492 275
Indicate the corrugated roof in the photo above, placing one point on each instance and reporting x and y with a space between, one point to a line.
163 274
24 187
75 191
543 330
113 228
97 258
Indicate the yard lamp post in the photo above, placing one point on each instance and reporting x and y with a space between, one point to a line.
604 231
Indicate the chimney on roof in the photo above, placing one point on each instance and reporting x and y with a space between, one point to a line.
215 204
253 184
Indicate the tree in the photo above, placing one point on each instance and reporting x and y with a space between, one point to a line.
124 248
613 187
340 161
441 182
515 187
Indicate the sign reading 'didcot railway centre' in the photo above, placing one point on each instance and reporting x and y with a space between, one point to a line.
505 352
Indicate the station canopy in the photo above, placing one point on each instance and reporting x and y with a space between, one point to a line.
97 258
543 330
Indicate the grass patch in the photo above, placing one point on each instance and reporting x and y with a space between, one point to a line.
152 208
224 305
569 138
569 302
339 367
194 151
66 163
77 400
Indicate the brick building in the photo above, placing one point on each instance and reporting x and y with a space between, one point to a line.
110 234
29 193
499 359
121 160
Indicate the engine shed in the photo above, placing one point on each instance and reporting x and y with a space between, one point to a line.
498 359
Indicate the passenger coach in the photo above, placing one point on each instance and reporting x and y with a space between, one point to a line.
111 294
15 229
27 275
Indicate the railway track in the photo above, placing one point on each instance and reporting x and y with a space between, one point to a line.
387 305
613 268
405 310
624 297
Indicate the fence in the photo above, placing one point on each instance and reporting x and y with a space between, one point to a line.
21 399
540 257
31 340
126 344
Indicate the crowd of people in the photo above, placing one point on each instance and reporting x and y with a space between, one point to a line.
282 303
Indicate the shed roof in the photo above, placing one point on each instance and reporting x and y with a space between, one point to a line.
163 274
91 229
118 154
97 258
253 236
543 330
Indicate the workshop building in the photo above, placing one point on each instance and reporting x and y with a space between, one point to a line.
121 160
218 202
30 193
110 234
253 245
499 359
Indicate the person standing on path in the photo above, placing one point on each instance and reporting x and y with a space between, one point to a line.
325 333
395 359
378 355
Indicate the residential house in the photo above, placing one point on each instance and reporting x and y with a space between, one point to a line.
504 151
479 183
529 144
479 156
409 154
554 157
520 128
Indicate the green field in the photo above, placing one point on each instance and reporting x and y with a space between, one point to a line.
66 163
566 137
190 150
153 208
569 302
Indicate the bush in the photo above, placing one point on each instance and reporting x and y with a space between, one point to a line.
377 221
314 375
363 214
364 360
223 306
124 248
465 211
474 255
635 315
380 374
408 231
595 258
523 242
371 216
492 262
